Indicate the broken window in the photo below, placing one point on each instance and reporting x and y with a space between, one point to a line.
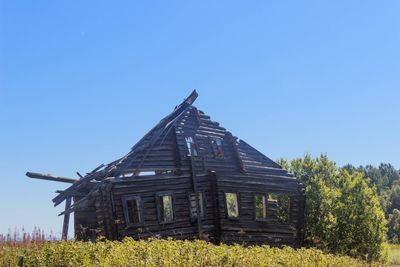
260 206
193 205
282 207
232 205
191 146
165 210
217 147
132 209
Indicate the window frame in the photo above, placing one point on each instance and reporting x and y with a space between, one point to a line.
125 200
289 207
218 149
266 196
238 205
159 210
202 205
192 150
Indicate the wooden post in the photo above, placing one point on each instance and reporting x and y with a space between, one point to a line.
192 161
20 261
66 218
217 220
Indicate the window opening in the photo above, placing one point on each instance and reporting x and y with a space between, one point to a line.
232 205
166 213
193 206
217 146
282 207
191 146
132 210
260 206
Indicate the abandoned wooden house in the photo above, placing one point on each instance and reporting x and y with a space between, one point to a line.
187 178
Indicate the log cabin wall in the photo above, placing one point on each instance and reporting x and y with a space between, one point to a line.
244 170
105 211
238 167
147 188
86 223
246 228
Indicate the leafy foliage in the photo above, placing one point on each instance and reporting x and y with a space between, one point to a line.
343 213
381 177
282 211
167 253
386 180
394 226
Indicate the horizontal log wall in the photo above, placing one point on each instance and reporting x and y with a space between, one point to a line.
85 222
160 155
146 188
246 228
203 131
105 212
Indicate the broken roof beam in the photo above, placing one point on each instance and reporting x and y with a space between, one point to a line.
191 98
71 193
96 169
50 177
82 202
80 184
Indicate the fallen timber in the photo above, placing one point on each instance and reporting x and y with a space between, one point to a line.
49 177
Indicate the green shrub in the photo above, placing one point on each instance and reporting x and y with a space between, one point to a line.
343 214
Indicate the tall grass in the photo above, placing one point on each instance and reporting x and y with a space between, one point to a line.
16 237
156 252
394 254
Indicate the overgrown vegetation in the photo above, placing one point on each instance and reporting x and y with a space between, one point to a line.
343 214
16 237
346 209
393 254
385 179
166 253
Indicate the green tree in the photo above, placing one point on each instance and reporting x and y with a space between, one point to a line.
343 213
382 177
393 198
361 225
394 226
386 179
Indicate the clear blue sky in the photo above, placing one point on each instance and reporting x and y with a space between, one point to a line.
82 81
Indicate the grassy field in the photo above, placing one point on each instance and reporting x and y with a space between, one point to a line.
394 255
166 253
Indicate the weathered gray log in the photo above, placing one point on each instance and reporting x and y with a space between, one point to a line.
73 193
20 261
66 219
50 177
80 184
191 98
96 169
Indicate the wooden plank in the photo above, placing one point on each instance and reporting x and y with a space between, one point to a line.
49 177
199 227
66 219
217 219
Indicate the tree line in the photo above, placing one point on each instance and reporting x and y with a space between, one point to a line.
385 180
349 210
